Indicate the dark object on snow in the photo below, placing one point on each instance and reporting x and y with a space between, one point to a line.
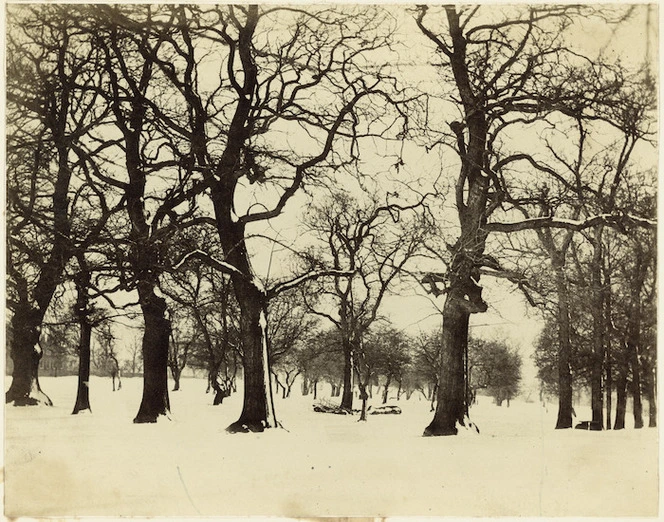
385 410
589 425
327 408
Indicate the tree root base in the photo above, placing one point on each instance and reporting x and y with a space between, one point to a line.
38 399
144 418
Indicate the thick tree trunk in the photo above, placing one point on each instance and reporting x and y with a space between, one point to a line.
258 408
451 407
155 402
26 354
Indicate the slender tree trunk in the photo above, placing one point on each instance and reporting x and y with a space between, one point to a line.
651 396
315 385
565 407
608 328
364 396
176 372
621 397
597 312
636 385
83 390
347 393
634 336
387 388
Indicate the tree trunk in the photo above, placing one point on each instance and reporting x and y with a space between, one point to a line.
26 354
347 393
176 372
83 392
155 402
597 312
258 408
364 396
387 388
651 397
451 407
636 384
565 408
608 330
634 335
315 385
621 398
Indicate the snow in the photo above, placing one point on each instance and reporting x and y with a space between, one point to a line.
59 464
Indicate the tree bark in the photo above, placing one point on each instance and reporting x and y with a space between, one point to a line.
364 396
387 388
636 383
451 407
565 408
651 396
608 329
26 354
176 372
621 397
464 295
155 402
347 393
258 407
597 312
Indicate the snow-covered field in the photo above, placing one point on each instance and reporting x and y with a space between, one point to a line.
59 464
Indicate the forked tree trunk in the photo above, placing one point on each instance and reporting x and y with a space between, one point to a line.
26 354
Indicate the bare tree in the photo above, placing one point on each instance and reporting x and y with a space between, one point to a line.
310 79
374 243
50 110
513 72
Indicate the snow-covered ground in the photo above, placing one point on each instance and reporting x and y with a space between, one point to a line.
59 464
